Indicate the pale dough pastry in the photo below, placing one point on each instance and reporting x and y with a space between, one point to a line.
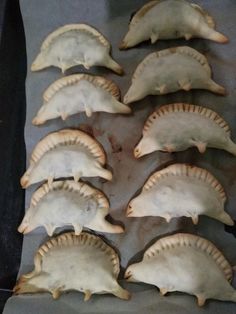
75 44
66 153
176 127
68 203
170 70
68 262
181 190
170 19
185 263
79 93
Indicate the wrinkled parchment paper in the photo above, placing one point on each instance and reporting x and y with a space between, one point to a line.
118 134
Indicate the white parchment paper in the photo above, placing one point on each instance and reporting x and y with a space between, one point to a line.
119 134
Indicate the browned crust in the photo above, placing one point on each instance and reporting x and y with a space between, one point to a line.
190 240
68 137
99 81
189 171
22 281
182 107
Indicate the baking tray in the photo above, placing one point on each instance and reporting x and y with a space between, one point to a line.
12 156
119 134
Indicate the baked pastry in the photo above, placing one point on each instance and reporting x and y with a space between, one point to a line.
66 203
185 263
170 70
176 127
66 153
181 190
68 262
170 19
75 44
78 93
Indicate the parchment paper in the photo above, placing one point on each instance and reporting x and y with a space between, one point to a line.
119 134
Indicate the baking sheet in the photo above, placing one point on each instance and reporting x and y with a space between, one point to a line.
119 134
